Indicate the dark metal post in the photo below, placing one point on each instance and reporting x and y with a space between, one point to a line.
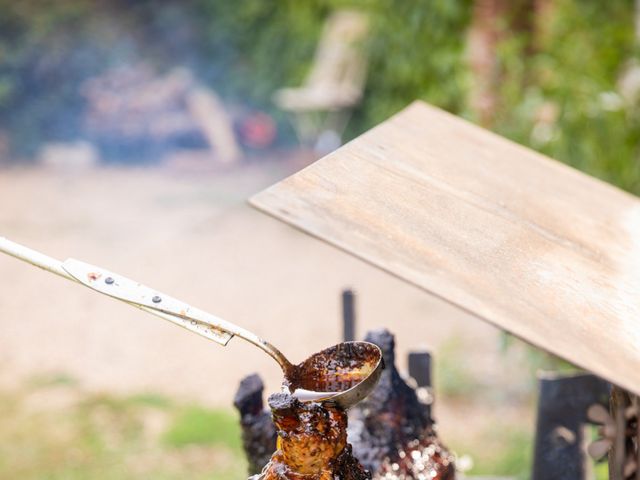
420 371
348 315
560 452
624 435
618 453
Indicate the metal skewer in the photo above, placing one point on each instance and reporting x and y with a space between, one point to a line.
182 314
142 297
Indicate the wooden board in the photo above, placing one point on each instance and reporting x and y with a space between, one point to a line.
522 241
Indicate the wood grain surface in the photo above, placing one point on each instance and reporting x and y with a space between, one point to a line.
522 241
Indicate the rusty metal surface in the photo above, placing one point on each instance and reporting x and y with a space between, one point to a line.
561 437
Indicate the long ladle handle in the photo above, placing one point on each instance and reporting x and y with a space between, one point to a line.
133 293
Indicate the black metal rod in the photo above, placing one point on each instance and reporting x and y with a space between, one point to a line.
420 371
420 368
348 315
562 413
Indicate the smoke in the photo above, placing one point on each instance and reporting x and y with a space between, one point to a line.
116 74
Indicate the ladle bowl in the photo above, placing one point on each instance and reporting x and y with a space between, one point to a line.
343 374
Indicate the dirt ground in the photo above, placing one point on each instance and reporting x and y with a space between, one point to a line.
190 233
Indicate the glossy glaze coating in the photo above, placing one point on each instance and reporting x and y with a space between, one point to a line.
312 442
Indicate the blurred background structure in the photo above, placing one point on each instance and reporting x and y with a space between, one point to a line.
130 135
542 72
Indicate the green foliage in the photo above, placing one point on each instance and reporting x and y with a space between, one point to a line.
259 46
536 359
575 67
453 375
414 50
245 49
52 380
507 452
197 425
150 400
54 431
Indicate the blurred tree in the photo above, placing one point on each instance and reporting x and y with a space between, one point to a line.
494 23
416 51
244 49
564 100
552 84
487 29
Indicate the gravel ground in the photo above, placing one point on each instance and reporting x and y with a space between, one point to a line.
188 232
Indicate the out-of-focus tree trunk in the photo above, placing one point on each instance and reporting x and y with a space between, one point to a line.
494 21
629 79
484 36
522 20
542 16
636 19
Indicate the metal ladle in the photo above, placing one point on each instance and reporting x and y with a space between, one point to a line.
343 374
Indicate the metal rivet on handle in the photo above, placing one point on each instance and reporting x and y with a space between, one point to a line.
156 299
109 280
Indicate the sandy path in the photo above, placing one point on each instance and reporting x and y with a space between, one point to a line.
193 236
